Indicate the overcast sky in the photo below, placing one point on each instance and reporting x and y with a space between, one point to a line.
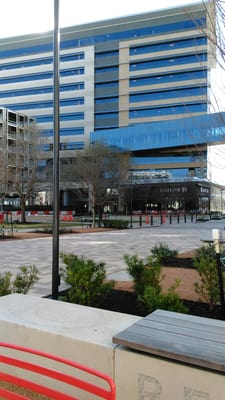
20 17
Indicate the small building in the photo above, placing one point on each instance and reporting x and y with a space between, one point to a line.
15 141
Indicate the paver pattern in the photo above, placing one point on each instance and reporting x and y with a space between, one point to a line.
104 246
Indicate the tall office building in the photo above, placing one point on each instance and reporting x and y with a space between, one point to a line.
147 68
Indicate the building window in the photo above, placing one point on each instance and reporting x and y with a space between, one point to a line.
167 62
41 90
107 54
104 100
106 69
63 117
175 109
100 85
72 57
72 146
168 94
106 115
166 78
72 131
165 46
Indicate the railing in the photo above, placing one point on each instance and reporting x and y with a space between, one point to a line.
16 359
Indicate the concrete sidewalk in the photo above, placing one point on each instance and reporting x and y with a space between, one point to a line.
107 246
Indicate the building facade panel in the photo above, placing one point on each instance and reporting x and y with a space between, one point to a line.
76 87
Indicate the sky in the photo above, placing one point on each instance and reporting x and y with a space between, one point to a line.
21 17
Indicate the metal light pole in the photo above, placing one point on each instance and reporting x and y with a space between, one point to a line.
55 242
131 202
216 240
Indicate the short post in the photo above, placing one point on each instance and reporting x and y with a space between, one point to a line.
216 240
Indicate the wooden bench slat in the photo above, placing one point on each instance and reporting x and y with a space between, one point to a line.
179 337
188 331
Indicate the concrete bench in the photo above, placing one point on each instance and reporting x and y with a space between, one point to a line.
171 356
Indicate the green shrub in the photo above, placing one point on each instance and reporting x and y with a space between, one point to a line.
170 301
206 265
162 251
86 279
48 231
147 285
115 223
144 272
5 283
23 281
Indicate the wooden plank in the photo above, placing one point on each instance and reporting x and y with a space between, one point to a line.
181 344
161 329
177 321
213 329
173 340
188 318
191 330
212 364
178 337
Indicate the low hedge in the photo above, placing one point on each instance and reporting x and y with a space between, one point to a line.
115 223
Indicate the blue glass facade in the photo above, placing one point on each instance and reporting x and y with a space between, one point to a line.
204 129
168 150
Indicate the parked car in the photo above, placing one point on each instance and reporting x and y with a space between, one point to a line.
216 215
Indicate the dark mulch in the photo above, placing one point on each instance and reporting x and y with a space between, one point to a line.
126 302
178 262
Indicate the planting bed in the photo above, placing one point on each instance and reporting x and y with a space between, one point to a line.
123 299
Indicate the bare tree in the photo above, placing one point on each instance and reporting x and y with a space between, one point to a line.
22 165
100 170
215 11
213 28
3 175
215 33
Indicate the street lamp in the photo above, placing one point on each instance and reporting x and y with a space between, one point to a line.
131 201
55 246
